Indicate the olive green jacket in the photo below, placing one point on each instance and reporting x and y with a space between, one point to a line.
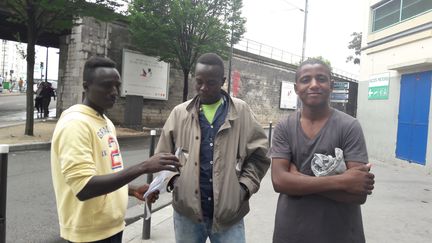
240 149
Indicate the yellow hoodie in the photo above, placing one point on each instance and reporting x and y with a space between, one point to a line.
84 144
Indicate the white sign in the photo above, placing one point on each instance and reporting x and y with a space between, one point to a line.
379 86
288 97
144 76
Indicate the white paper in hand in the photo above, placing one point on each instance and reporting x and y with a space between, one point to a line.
160 184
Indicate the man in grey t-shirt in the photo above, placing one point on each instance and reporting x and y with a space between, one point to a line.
318 209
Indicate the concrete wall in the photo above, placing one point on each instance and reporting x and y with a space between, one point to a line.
398 56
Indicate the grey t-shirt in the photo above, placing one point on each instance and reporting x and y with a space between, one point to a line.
313 218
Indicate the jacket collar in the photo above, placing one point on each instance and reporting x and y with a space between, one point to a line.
194 106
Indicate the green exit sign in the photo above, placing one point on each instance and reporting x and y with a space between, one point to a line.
379 87
378 93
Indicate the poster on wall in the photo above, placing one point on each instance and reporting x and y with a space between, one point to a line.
144 76
288 97
379 86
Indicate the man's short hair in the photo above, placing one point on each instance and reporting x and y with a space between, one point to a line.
93 63
312 61
212 59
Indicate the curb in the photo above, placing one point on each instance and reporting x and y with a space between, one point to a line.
47 145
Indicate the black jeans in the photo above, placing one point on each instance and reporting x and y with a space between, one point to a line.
117 238
45 105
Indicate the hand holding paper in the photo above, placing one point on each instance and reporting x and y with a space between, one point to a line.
160 183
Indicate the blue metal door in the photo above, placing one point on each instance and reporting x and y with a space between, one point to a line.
414 117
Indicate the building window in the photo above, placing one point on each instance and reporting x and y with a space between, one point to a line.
394 11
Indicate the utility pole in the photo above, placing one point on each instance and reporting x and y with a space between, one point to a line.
304 30
4 58
230 63
46 65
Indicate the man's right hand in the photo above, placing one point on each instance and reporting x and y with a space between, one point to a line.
162 161
358 180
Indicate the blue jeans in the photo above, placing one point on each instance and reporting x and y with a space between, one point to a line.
187 231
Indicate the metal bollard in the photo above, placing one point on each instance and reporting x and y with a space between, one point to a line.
4 150
147 223
270 133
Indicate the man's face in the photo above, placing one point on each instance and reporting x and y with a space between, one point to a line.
208 82
102 92
314 85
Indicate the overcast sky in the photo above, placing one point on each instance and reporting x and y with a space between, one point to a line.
279 23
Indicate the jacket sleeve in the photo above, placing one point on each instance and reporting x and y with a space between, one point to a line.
166 139
256 162
166 144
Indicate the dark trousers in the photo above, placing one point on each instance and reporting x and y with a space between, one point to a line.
45 105
38 104
117 238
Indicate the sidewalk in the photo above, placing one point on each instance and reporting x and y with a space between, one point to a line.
13 135
399 210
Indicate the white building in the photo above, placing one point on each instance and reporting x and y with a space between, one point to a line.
11 58
394 93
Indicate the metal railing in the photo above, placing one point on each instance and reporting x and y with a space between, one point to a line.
264 50
146 232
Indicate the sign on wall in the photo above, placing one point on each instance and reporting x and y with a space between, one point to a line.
379 86
340 92
288 97
144 76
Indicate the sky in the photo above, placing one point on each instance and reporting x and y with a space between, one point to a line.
279 23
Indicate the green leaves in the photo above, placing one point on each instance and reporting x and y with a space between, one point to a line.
355 44
179 31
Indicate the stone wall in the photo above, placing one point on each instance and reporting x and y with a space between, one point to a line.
259 78
260 84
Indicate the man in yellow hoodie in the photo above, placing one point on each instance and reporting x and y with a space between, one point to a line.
89 180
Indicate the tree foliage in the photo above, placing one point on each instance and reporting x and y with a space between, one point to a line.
355 44
179 31
41 16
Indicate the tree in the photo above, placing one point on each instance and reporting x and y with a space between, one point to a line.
179 31
41 16
355 44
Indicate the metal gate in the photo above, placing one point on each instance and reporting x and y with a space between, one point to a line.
414 117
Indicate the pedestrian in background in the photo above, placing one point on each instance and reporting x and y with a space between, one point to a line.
223 153
46 93
89 178
20 85
318 209
38 99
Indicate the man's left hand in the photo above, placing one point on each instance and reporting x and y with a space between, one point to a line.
139 192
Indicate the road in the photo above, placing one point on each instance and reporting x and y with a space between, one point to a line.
13 109
31 210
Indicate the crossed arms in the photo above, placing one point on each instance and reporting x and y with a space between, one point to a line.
352 186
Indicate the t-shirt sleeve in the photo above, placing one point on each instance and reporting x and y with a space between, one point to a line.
354 146
75 155
280 147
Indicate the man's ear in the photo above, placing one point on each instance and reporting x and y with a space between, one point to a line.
331 84
295 87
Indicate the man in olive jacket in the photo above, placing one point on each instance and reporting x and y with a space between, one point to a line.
223 159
